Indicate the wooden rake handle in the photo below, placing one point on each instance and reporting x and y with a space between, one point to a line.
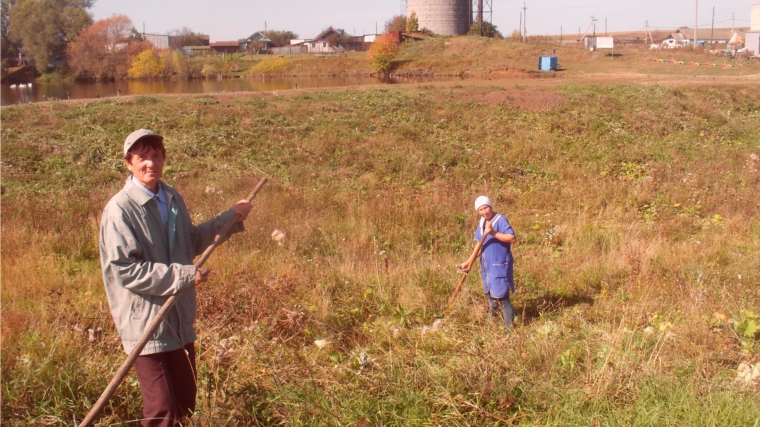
148 333
464 276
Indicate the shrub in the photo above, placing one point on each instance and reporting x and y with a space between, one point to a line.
147 64
412 24
382 52
271 67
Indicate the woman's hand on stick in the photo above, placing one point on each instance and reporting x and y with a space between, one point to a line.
464 267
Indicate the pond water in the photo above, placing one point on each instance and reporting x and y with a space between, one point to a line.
38 92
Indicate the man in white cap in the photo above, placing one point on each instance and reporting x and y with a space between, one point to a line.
147 246
496 262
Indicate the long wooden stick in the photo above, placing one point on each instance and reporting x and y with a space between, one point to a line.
469 265
148 333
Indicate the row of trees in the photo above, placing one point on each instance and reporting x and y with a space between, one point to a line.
411 24
61 33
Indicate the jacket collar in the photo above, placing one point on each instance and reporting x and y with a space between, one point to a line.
141 197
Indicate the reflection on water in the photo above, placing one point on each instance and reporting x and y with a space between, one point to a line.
68 90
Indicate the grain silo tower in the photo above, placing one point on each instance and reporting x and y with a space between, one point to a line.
444 17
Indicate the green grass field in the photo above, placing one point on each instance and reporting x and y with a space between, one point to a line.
637 262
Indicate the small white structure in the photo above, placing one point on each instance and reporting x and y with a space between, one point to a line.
752 42
674 43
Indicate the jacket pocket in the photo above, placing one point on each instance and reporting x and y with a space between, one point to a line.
137 308
499 270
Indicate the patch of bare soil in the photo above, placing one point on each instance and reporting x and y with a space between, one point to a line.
525 99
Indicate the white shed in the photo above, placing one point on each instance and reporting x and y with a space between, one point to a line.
752 42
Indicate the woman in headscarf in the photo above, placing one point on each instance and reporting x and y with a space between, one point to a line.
496 261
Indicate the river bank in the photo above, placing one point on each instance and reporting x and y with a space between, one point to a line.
469 56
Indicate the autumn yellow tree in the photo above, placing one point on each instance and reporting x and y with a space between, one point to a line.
148 64
382 52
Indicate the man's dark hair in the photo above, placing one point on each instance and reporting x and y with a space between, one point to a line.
144 145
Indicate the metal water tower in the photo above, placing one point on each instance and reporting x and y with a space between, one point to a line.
482 10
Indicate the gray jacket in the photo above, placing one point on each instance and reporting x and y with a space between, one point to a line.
144 264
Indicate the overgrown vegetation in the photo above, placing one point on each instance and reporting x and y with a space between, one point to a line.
271 67
638 255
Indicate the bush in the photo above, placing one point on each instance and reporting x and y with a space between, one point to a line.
271 67
382 52
147 64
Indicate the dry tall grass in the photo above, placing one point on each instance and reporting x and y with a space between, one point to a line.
638 255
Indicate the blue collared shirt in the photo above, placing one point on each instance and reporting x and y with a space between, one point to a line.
163 204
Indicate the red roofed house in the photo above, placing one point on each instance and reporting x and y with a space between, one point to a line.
228 47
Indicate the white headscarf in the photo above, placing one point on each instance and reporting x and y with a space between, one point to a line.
481 201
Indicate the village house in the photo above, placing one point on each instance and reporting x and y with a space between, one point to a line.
219 48
259 42
325 44
684 36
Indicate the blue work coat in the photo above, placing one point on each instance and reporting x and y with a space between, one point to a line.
496 262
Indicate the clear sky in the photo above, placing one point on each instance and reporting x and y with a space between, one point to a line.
226 20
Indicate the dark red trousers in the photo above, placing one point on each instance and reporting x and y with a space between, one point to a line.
167 384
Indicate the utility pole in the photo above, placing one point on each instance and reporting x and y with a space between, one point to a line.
521 24
605 27
593 22
525 23
712 28
696 13
560 34
648 33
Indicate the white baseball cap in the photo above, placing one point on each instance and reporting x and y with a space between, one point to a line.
138 135
482 201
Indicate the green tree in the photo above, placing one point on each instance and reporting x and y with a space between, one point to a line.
148 64
279 38
382 52
45 27
412 23
489 30
9 48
